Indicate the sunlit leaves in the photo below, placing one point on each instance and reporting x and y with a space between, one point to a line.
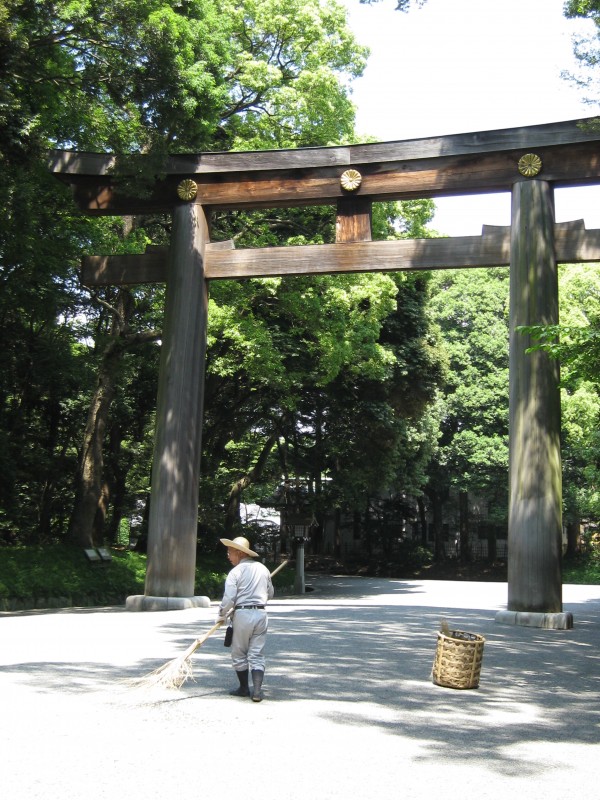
289 73
471 308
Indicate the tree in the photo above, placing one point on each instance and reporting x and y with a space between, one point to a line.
585 48
290 361
471 457
471 308
153 77
574 343
310 359
402 5
41 373
323 362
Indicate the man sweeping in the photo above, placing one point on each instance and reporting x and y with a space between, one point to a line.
248 588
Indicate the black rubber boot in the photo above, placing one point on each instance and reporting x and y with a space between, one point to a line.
242 690
257 679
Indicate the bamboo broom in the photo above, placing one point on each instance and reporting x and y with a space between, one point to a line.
176 672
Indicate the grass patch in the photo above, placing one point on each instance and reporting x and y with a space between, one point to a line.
581 570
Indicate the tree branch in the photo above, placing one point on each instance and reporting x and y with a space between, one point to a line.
115 312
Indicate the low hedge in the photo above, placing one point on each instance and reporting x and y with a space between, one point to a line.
58 576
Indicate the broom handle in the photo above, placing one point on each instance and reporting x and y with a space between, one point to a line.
280 567
195 644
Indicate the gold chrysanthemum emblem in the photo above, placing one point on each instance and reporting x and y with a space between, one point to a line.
187 189
530 165
351 180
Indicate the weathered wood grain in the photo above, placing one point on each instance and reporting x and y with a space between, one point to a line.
173 520
132 269
478 142
492 249
443 177
534 514
353 219
421 168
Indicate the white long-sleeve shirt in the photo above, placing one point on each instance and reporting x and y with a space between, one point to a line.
248 584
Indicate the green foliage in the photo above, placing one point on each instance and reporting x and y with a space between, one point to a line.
46 577
472 452
401 5
586 49
160 75
285 69
151 76
471 309
576 343
344 368
334 380
583 8
412 555
581 572
340 368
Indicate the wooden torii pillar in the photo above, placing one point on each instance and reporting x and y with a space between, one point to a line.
529 162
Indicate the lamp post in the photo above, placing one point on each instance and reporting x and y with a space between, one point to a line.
298 527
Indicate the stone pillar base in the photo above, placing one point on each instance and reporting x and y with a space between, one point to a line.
561 621
144 602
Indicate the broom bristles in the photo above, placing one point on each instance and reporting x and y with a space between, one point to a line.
176 672
171 675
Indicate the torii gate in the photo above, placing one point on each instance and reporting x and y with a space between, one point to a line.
527 161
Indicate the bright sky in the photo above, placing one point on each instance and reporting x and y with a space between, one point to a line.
456 66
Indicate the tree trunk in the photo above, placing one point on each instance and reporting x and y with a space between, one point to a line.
368 539
437 507
357 528
232 514
91 494
337 537
119 467
491 545
422 520
437 498
47 494
316 535
573 534
463 526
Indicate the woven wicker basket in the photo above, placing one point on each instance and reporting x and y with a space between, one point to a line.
458 658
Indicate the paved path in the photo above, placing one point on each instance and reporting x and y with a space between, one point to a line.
350 710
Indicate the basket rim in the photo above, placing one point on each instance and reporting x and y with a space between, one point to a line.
465 637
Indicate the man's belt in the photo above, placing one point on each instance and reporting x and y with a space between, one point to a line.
236 608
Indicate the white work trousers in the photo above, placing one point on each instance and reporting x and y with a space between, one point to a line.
249 637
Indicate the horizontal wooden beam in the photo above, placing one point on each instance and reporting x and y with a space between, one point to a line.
473 163
492 249
570 132
442 177
404 254
132 269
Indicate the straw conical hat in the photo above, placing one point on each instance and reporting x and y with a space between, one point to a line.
240 543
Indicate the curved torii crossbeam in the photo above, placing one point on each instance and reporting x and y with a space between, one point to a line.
529 162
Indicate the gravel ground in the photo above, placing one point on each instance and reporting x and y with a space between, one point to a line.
349 712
